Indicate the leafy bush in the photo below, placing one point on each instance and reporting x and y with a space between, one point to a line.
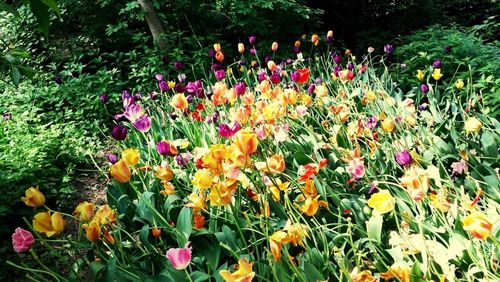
464 55
310 169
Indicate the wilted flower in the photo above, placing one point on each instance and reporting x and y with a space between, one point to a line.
34 198
22 240
472 124
459 167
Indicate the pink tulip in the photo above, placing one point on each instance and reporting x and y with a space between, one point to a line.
356 168
22 240
180 257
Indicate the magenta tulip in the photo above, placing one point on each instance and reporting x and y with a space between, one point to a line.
179 257
22 240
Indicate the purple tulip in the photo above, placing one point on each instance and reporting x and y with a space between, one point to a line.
225 130
295 76
403 158
220 74
143 124
267 58
211 53
159 77
350 66
153 95
373 188
119 132
296 50
103 98
126 94
112 158
182 159
371 122
329 40
275 78
437 64
422 107
424 88
252 51
179 88
164 59
318 81
240 88
189 98
195 87
388 48
311 88
7 116
163 148
447 49
261 76
252 39
336 70
58 80
178 65
216 66
133 112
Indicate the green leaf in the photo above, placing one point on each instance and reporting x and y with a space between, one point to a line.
199 276
144 236
416 273
52 5
15 75
210 249
41 12
374 227
96 268
184 225
490 148
313 273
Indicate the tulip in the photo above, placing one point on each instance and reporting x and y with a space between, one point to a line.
217 47
424 88
388 49
143 124
459 84
179 257
112 158
105 215
382 202
403 158
370 50
34 198
243 274
103 98
219 56
398 270
363 276
164 173
271 65
472 124
119 132
240 88
478 224
274 46
315 39
437 64
120 172
84 211
436 74
131 156
388 125
92 230
241 48
156 232
22 240
163 85
275 78
48 224
178 65
179 101
252 40
220 74
420 75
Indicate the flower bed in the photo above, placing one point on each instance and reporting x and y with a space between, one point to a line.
307 169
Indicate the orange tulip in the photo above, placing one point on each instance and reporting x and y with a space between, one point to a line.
92 230
34 198
105 215
156 232
199 221
120 171
315 39
478 224
246 141
274 164
48 224
219 56
85 211
179 101
271 65
241 48
164 173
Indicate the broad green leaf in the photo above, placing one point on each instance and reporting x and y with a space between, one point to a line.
374 227
52 5
41 12
15 75
184 225
313 274
198 276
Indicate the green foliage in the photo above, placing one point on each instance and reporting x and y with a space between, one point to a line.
469 59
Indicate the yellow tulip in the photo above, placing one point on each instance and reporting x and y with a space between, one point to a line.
246 141
34 198
179 101
420 75
243 274
85 211
131 156
105 215
202 179
459 84
472 124
48 224
382 202
274 164
241 48
164 173
398 270
436 74
120 171
478 224
388 125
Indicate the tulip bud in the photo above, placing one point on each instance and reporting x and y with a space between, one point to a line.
34 198
274 46
119 132
472 125
241 48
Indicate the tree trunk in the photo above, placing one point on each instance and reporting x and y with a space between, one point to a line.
154 24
